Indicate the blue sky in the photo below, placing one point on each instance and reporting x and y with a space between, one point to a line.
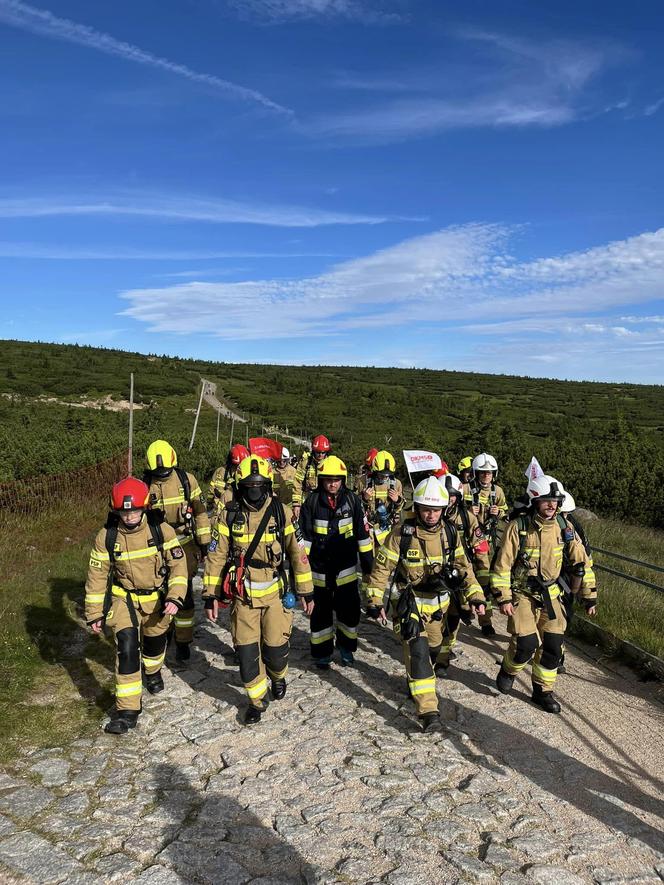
387 182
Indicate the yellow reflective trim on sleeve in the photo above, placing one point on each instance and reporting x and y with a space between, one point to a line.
102 556
177 582
177 500
223 529
94 597
196 492
303 578
365 546
169 545
210 580
289 530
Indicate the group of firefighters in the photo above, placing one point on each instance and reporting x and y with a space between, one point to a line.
270 534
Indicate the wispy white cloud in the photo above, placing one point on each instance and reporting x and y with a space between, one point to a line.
654 107
45 251
46 24
176 208
431 282
363 11
512 82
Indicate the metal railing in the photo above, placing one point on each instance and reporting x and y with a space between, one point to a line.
624 575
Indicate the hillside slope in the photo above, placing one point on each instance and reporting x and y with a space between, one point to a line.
604 440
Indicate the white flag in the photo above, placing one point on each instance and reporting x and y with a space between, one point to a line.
534 470
417 460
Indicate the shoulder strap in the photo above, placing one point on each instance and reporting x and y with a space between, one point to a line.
522 522
407 532
111 536
154 522
184 482
451 533
260 531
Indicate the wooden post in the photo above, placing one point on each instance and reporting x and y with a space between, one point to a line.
230 445
130 455
218 419
198 412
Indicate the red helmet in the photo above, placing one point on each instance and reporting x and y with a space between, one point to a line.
371 454
238 453
320 444
129 494
442 471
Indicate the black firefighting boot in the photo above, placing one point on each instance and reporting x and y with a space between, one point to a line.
154 682
252 715
430 722
504 681
488 630
182 652
122 722
278 689
441 670
545 699
561 665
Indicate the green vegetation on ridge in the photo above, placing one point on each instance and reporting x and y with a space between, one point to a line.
603 440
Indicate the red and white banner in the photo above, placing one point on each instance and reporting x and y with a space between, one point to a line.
534 470
417 460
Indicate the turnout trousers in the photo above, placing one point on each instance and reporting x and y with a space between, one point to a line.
144 644
261 635
342 601
535 637
184 619
450 633
419 657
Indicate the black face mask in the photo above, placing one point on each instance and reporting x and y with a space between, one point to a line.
162 472
254 494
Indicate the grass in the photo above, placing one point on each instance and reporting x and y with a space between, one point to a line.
628 611
55 676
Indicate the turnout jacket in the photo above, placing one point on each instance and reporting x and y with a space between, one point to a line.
305 480
188 517
539 550
137 566
283 483
475 543
335 531
217 485
427 550
264 572
485 498
374 494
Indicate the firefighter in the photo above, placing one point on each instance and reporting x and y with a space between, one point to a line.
178 495
245 565
137 580
335 531
365 470
306 474
526 576
382 496
284 478
476 548
421 563
486 500
465 470
220 492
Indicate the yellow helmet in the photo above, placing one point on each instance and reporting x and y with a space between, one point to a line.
254 468
384 462
464 464
333 466
161 456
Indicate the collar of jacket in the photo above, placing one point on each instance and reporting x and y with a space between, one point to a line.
341 499
125 530
544 525
425 531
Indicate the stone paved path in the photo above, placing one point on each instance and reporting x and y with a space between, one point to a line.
338 785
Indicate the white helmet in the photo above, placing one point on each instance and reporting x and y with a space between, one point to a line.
545 488
485 462
568 504
431 493
452 483
285 453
